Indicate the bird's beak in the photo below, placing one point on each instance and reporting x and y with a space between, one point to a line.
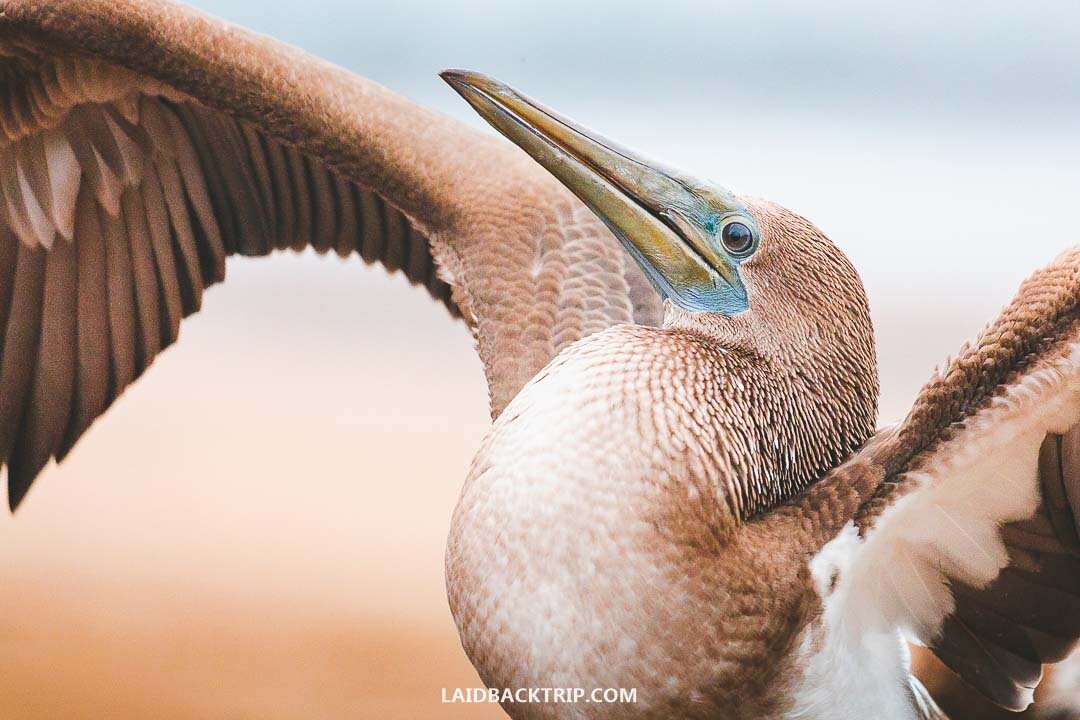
667 221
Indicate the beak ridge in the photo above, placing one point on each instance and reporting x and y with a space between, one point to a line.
656 215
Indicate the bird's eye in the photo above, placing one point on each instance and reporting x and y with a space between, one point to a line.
738 239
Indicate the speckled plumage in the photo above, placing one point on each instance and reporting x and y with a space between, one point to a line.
982 448
183 140
630 535
606 503
644 512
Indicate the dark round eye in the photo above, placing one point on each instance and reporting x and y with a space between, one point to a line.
738 239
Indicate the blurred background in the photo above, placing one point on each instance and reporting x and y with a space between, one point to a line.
256 529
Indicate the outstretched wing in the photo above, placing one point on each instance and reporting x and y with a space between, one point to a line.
142 143
965 531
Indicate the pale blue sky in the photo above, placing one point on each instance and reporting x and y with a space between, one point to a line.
935 143
939 139
1014 62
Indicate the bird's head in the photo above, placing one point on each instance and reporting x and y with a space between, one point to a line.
745 271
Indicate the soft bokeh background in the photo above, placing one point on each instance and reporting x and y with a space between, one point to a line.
256 529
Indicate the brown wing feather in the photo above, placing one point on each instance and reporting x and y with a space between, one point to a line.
142 143
999 636
49 407
114 295
157 221
147 295
968 508
93 338
21 338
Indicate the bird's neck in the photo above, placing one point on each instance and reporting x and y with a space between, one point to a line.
608 495
787 414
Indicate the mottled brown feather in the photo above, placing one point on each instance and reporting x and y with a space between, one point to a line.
1033 608
348 218
92 382
20 348
300 190
325 213
49 406
121 299
997 637
157 222
193 140
145 278
9 250
264 184
998 674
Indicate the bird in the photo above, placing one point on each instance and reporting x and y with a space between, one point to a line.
683 491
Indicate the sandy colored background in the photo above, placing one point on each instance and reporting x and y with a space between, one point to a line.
256 529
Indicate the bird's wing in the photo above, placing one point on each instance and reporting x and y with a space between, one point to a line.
141 143
965 531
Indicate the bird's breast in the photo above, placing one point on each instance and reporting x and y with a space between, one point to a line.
591 545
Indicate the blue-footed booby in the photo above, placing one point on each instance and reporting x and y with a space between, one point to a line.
682 491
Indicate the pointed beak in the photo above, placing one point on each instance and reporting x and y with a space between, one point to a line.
668 222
